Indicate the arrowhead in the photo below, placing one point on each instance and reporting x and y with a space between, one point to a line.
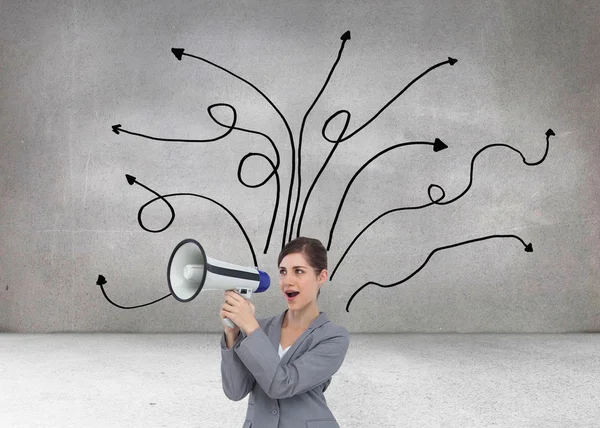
101 280
549 132
130 179
346 35
439 145
452 61
177 52
529 248
115 128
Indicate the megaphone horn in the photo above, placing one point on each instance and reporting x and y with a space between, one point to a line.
191 271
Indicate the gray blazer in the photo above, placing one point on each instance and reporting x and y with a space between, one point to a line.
286 392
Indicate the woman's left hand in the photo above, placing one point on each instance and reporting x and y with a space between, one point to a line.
240 311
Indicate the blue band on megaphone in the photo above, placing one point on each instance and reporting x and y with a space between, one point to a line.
265 281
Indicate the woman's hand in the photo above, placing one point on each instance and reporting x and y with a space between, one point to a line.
240 311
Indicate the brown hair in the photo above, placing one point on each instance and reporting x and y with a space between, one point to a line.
311 248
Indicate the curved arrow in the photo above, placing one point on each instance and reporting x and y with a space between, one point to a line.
117 128
438 145
310 189
340 139
373 222
274 171
549 133
528 248
450 61
345 37
101 281
179 52
131 180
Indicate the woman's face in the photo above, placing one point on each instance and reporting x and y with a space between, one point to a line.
295 274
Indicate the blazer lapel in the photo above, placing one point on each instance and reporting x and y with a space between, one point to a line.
275 333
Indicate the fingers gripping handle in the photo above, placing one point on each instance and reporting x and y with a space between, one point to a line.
246 293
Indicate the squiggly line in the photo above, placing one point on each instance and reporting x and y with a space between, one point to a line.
528 248
450 61
549 133
438 145
345 37
131 180
274 171
373 222
260 184
340 139
117 129
310 189
179 52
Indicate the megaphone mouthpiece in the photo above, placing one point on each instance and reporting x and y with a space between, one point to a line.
193 273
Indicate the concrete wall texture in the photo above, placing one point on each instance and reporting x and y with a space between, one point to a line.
72 69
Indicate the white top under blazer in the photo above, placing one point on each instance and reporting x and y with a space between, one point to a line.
283 351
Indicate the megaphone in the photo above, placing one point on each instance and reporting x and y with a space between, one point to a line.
190 272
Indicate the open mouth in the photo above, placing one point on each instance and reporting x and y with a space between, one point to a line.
291 295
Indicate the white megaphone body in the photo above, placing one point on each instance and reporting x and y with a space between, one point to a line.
191 271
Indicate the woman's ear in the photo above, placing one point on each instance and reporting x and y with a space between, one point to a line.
322 278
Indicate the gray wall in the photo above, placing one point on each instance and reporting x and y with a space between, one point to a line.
71 70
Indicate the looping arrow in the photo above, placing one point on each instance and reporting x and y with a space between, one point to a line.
345 37
132 180
180 52
549 133
231 127
341 137
438 145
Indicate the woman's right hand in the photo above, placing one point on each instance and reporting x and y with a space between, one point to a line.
228 330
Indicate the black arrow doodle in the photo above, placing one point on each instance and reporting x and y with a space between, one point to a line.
179 53
274 172
117 128
450 61
341 139
132 180
329 156
549 133
373 222
438 145
345 37
101 281
528 248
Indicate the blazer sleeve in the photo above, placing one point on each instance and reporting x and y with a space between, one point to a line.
236 379
310 370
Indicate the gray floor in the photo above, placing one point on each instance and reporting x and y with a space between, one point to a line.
407 380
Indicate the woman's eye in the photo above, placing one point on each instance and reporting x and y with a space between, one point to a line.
299 271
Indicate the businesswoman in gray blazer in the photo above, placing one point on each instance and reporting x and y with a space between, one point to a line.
285 362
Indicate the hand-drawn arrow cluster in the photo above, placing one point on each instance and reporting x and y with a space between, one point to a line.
437 146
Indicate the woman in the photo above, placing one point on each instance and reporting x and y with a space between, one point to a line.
286 387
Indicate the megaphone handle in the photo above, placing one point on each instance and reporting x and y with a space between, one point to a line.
247 295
